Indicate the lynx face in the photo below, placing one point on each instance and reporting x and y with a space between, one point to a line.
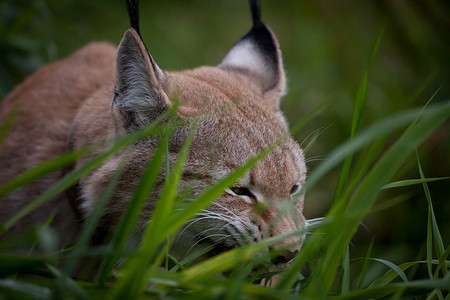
251 209
236 105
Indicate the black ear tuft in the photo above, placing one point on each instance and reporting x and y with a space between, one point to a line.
255 8
261 35
133 14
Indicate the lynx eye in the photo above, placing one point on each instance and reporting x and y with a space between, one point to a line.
295 189
243 192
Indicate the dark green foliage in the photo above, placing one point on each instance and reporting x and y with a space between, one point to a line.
373 98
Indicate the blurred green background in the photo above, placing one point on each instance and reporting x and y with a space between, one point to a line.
326 46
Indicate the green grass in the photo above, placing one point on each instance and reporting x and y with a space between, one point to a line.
375 162
232 274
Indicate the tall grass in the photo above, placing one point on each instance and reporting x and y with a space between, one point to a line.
323 268
231 274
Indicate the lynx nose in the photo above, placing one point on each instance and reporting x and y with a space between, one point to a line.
284 257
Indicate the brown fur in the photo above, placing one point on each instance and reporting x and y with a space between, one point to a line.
44 107
69 103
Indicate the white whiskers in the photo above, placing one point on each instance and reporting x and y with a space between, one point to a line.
311 224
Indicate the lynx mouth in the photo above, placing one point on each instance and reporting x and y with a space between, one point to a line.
280 262
217 247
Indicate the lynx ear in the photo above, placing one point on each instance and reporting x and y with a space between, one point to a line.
139 95
258 55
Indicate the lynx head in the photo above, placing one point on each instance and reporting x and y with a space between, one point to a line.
236 107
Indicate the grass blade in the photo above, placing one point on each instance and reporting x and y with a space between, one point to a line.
51 165
229 259
379 129
93 219
366 265
345 287
129 218
390 275
361 202
7 124
433 233
436 235
66 182
443 262
71 178
393 267
21 288
210 194
135 275
356 119
411 288
66 285
12 263
433 116
75 175
409 182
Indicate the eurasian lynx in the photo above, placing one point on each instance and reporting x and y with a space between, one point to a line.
100 92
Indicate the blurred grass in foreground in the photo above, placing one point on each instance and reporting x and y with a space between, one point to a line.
326 48
325 253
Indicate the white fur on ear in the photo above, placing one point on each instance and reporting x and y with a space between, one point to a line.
246 55
139 94
258 56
